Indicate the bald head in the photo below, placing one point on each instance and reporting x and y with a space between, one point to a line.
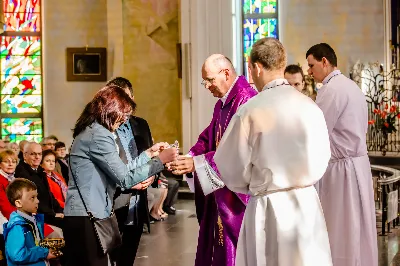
217 62
218 74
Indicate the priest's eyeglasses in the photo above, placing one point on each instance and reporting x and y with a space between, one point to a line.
209 81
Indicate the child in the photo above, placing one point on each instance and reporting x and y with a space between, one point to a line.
24 230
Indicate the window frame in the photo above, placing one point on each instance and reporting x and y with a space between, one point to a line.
38 34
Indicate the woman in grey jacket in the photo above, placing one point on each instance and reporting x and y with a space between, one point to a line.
98 169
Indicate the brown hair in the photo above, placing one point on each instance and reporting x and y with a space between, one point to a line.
15 188
7 153
270 53
294 69
108 105
47 153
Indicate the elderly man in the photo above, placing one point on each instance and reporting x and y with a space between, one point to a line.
30 169
219 210
275 149
346 189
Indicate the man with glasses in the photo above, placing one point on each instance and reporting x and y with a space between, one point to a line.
48 143
219 210
31 170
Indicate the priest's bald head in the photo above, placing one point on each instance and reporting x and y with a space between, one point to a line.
267 61
218 74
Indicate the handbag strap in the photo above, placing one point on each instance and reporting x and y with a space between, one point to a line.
79 191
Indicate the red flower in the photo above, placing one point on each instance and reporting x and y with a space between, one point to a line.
386 106
386 124
377 111
393 109
371 122
398 116
384 114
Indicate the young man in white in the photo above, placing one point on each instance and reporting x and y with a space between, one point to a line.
275 149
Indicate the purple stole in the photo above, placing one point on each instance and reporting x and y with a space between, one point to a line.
220 214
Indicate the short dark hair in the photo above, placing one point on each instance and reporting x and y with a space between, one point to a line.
294 69
321 50
15 188
58 145
121 82
107 106
270 53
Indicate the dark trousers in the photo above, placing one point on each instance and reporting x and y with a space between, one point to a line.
81 244
172 194
131 234
130 244
3 261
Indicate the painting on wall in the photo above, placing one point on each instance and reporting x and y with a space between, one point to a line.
86 64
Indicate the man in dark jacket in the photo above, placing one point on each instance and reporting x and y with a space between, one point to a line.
133 137
31 170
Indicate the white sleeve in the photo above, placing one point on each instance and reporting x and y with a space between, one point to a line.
233 157
208 178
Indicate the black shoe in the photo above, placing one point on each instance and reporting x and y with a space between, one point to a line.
169 210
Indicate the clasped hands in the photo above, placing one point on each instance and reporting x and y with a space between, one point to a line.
166 153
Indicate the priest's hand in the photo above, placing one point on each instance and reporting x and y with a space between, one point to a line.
183 165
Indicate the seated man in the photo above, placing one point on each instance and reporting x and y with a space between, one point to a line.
31 170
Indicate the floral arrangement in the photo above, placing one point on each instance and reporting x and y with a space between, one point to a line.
385 118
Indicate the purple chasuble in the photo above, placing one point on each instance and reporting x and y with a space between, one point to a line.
220 214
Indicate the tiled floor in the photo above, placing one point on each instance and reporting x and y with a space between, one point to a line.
173 242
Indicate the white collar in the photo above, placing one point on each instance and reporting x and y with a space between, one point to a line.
275 83
223 99
331 75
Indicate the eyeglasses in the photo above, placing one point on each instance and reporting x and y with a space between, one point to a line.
209 81
50 144
35 154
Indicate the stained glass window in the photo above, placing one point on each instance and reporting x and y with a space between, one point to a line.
21 71
260 19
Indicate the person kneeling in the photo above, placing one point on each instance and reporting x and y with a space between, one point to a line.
24 230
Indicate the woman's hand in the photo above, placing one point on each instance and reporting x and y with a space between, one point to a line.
168 155
145 184
59 215
156 148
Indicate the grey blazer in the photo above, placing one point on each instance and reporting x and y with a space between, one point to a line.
98 169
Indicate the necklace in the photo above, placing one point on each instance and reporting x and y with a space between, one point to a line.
337 74
278 83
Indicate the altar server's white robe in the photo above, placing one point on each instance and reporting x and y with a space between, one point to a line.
276 148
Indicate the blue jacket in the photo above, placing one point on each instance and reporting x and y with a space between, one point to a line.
96 165
20 241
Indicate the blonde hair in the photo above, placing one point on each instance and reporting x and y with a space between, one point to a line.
7 153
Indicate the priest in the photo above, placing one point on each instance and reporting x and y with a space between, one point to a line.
275 149
219 210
